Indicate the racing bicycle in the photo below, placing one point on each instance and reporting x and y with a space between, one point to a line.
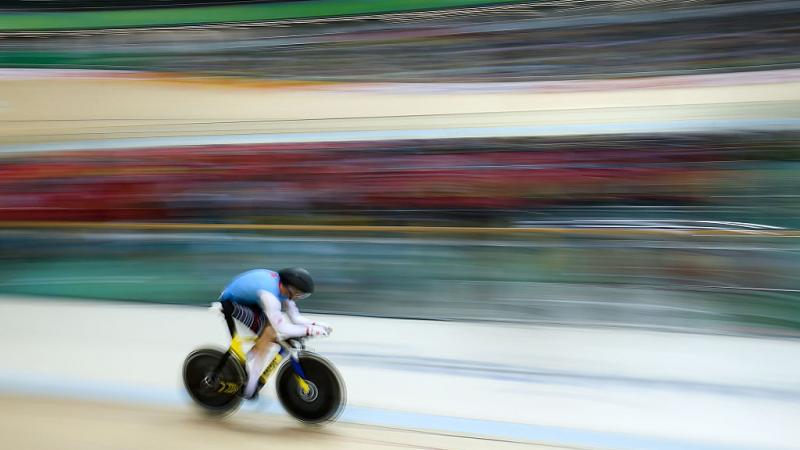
308 385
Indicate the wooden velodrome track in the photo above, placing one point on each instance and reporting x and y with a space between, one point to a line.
39 107
31 423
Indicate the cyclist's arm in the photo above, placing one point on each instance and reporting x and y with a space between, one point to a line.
294 314
284 328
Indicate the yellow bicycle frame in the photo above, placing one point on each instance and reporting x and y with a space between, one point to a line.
238 351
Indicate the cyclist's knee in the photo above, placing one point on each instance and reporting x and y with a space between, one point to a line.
267 337
269 334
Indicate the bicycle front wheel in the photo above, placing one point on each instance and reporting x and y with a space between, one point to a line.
326 396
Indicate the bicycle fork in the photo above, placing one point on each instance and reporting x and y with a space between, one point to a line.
299 375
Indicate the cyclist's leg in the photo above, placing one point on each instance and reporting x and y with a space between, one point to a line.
254 318
262 352
228 310
265 339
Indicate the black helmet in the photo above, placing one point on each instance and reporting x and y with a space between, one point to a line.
298 278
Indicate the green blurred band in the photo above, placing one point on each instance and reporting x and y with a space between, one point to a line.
218 14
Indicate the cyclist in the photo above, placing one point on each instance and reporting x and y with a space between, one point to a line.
256 298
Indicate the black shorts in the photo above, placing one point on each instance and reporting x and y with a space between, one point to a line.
249 314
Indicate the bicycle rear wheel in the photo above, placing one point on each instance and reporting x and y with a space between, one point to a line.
217 395
326 397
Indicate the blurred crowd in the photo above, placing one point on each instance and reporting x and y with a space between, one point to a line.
501 182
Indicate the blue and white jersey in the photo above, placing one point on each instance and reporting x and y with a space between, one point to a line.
244 288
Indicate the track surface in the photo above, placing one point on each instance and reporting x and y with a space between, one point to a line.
39 423
564 387
87 109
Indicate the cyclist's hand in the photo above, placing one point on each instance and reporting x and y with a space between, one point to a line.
328 328
316 330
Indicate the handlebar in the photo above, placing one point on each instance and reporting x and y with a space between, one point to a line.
297 343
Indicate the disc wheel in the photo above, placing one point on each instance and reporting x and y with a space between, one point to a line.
216 395
325 397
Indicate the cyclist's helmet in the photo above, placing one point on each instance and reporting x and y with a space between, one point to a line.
299 279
